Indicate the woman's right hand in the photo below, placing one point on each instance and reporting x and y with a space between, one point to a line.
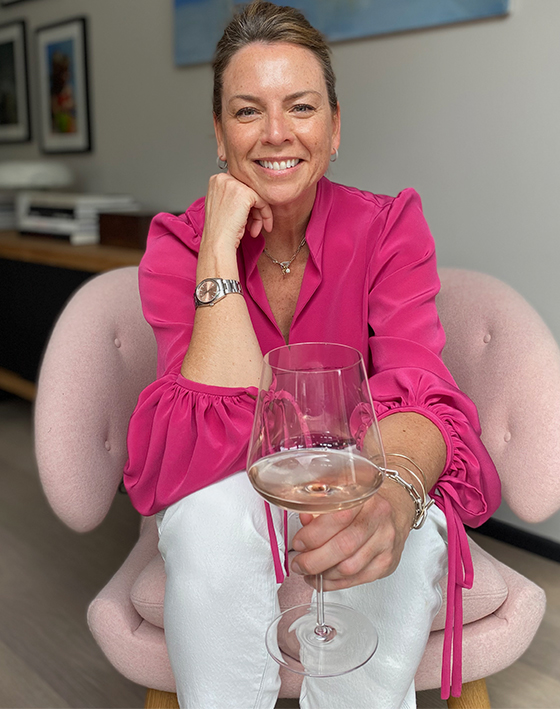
231 207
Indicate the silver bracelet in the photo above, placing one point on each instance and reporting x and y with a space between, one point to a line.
422 486
422 503
415 464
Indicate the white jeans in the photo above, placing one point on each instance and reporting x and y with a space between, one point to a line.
221 595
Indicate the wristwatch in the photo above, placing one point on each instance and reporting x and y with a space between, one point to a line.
209 291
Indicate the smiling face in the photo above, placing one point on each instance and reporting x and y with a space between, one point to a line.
277 130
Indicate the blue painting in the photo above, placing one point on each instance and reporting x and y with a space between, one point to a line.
199 23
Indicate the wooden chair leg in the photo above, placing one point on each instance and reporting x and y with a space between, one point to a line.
474 695
156 699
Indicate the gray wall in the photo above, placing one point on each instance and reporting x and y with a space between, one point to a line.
466 114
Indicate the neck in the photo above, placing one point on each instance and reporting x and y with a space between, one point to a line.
285 238
289 225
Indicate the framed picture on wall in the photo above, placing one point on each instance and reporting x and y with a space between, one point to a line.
199 23
15 125
63 87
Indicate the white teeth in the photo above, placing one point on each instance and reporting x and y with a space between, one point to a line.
282 165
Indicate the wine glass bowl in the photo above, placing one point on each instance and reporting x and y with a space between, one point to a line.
315 448
316 480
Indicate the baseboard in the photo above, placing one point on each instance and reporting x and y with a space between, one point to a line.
520 538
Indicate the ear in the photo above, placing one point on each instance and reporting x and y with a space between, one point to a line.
218 131
336 128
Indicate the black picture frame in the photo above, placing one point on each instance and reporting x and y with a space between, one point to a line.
64 95
15 117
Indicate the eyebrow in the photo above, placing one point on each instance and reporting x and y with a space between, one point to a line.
291 97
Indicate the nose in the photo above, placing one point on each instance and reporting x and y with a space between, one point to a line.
278 128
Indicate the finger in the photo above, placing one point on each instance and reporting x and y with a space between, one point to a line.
254 222
365 576
341 547
320 529
338 584
265 211
381 565
379 555
267 217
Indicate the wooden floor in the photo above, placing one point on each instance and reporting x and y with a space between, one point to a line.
48 575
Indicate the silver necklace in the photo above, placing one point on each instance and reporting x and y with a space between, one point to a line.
285 265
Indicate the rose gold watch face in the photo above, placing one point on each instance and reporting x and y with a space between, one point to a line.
207 291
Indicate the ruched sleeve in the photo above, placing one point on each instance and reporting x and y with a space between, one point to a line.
409 375
182 435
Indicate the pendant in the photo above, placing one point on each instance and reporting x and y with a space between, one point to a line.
285 266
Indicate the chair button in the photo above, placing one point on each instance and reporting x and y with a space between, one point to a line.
507 436
487 337
107 446
117 342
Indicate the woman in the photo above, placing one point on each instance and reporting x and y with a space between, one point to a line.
281 254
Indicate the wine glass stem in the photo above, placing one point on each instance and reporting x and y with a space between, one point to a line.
320 629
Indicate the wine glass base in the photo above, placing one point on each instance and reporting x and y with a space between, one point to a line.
349 641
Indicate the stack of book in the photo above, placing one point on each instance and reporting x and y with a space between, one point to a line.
70 216
8 219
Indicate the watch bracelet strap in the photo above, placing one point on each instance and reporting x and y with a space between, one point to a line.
233 286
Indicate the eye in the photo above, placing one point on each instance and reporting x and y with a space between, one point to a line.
246 112
303 108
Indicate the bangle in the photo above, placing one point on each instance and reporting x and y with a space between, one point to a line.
422 503
415 464
422 486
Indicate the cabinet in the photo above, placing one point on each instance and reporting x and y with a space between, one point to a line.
37 276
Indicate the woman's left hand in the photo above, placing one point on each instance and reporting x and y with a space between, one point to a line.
358 545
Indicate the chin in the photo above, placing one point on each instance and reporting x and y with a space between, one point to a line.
283 195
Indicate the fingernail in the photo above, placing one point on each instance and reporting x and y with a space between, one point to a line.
298 545
296 568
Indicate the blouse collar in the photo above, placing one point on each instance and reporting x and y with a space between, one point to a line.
314 234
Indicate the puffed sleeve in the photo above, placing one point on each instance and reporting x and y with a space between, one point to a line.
182 435
409 375
406 346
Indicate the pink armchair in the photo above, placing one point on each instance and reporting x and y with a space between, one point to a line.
102 353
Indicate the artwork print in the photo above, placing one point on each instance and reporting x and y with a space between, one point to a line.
9 109
200 23
14 99
64 87
61 61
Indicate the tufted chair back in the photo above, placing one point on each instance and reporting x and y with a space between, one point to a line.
504 357
101 354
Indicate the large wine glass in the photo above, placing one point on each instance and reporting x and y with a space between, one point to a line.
315 447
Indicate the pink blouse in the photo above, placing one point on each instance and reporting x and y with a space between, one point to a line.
370 282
